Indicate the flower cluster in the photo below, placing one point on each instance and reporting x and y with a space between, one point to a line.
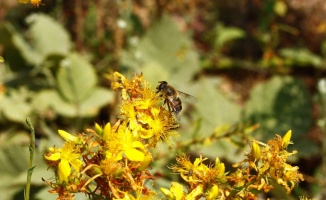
259 171
203 180
113 161
265 166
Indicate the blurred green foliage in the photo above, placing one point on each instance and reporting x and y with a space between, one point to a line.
247 63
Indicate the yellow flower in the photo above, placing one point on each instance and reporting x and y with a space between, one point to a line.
198 173
122 143
175 192
142 110
67 157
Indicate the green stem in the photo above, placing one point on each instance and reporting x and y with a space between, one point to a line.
31 155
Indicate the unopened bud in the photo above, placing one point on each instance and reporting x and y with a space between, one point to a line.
255 150
286 139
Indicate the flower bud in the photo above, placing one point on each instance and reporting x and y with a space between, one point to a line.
286 139
212 192
98 129
255 150
68 137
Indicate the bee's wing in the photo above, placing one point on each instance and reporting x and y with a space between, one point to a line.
187 97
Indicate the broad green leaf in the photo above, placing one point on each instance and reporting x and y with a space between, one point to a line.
52 99
76 78
48 36
300 57
89 107
98 98
214 109
18 51
14 157
14 105
278 105
164 53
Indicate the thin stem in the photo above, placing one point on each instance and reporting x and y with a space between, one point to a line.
31 156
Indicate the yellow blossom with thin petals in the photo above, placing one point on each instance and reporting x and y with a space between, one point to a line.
67 157
175 192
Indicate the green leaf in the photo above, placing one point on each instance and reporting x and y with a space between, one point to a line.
18 51
226 34
14 105
14 157
98 98
53 39
52 99
214 109
164 53
300 57
89 107
278 105
76 78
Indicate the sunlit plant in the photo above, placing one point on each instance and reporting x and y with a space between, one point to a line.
113 161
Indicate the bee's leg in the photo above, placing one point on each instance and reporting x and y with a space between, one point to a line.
168 106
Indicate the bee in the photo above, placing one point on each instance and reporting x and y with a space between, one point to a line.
172 97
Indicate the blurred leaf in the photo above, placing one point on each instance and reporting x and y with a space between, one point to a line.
226 34
87 108
14 105
278 105
212 106
18 51
53 39
300 57
76 78
14 157
164 53
214 110
323 48
98 98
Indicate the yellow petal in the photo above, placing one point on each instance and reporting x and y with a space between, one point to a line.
53 157
167 194
137 144
177 190
118 75
195 193
64 170
76 164
145 163
135 155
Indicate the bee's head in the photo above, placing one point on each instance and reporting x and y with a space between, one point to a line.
161 85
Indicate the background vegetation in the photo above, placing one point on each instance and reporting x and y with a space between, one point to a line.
256 67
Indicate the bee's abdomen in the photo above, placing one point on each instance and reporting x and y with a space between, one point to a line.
177 105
